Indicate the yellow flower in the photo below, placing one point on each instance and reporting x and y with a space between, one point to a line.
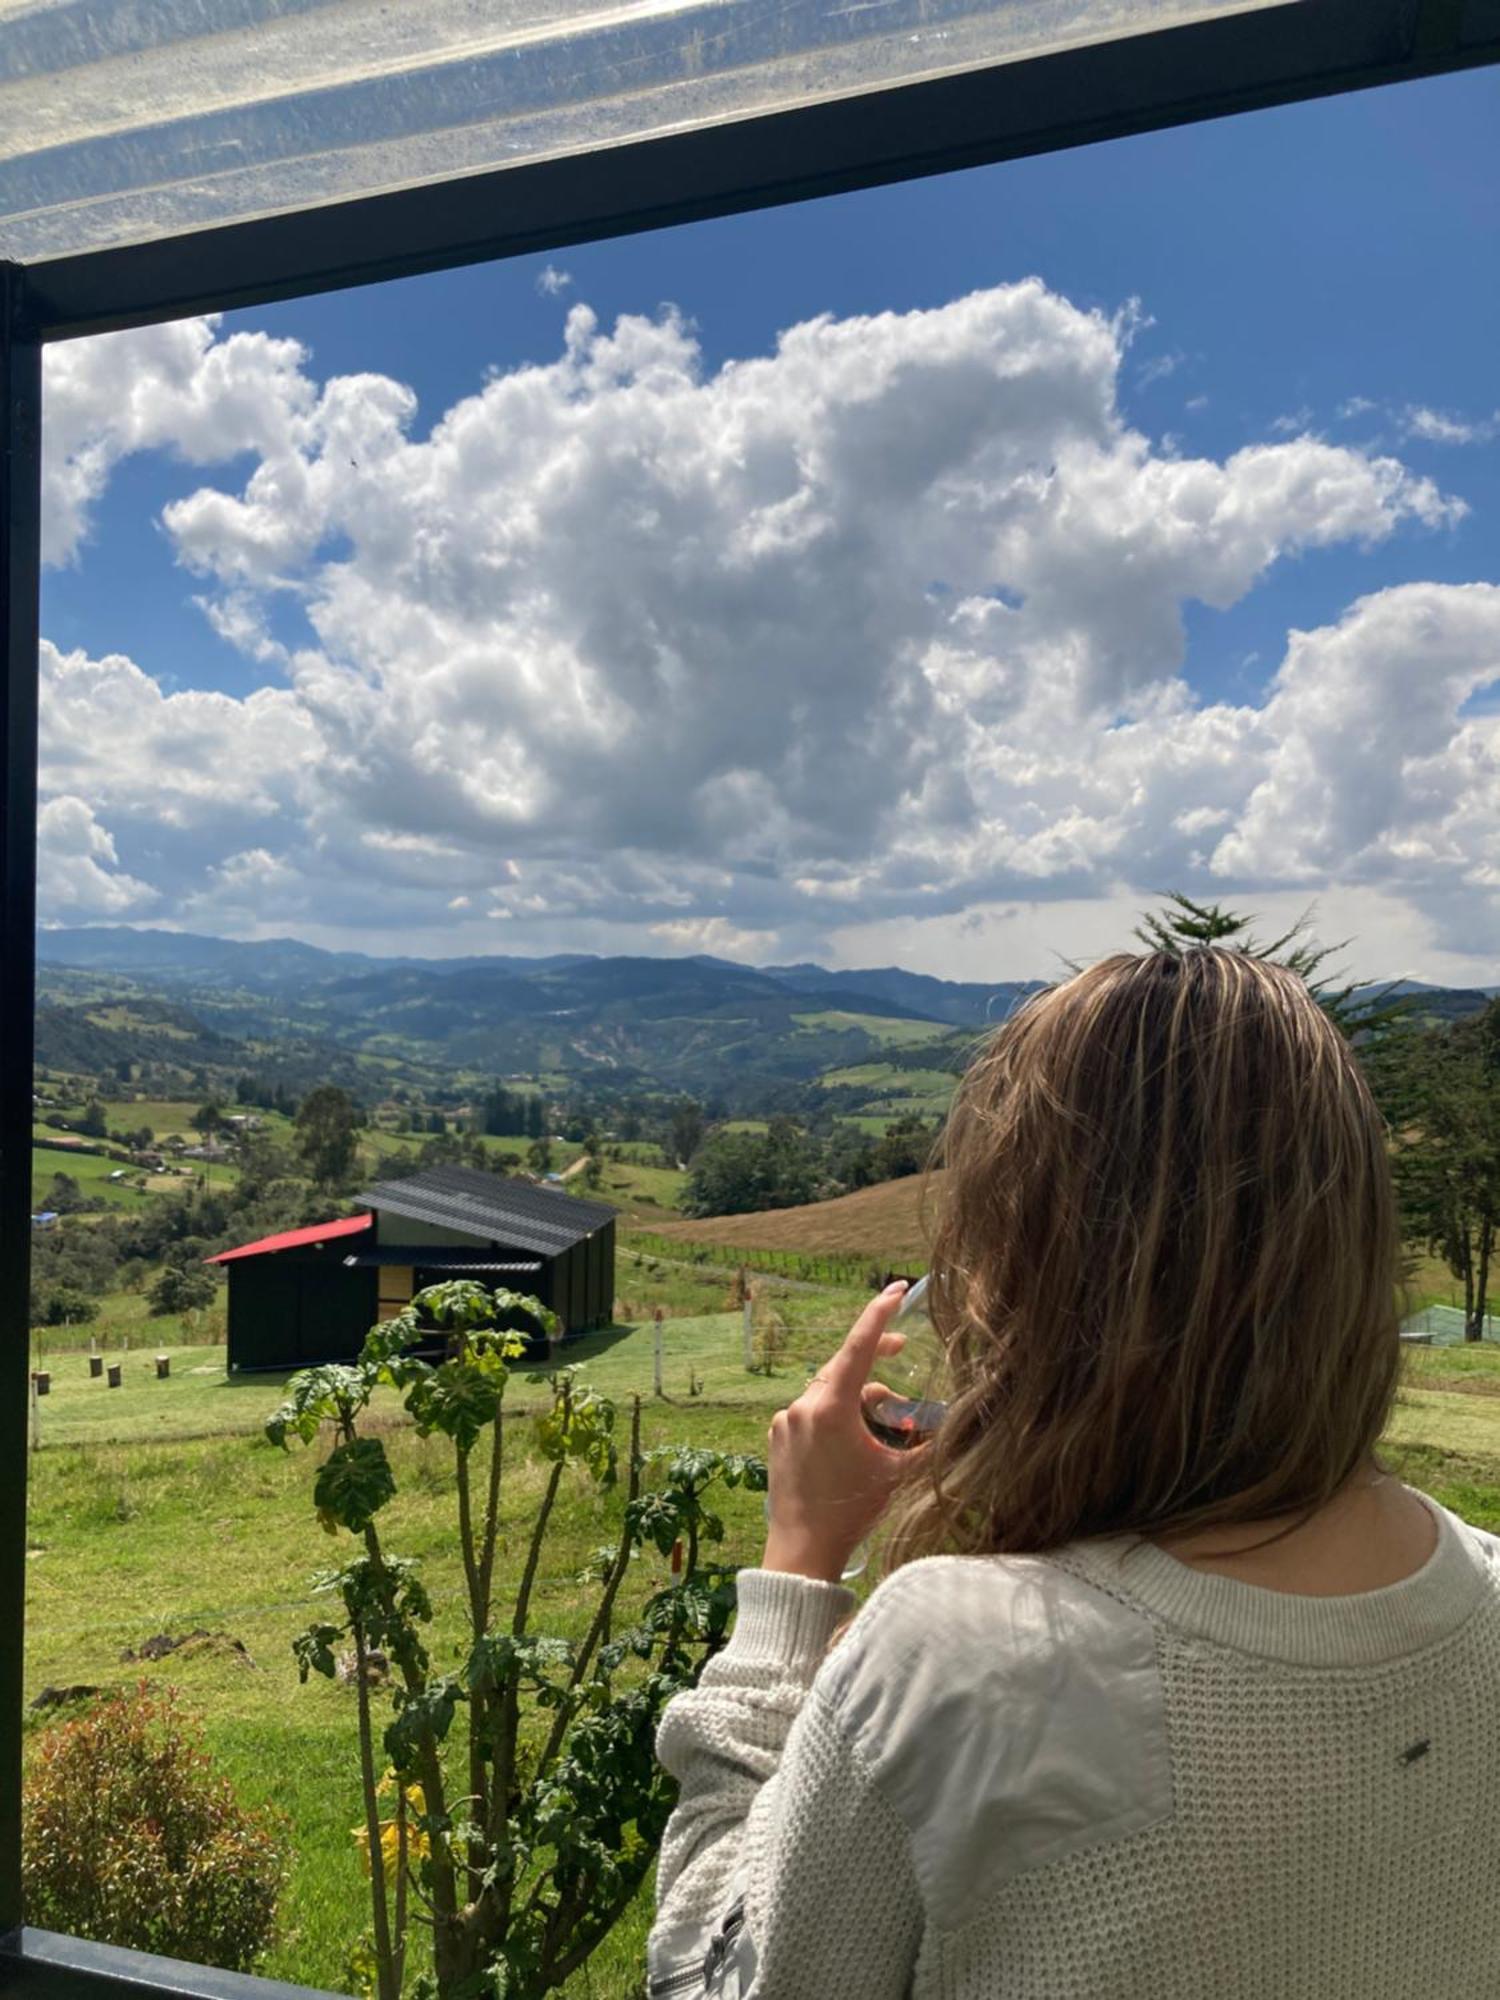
418 1846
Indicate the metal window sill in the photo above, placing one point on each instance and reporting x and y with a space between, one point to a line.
34 1963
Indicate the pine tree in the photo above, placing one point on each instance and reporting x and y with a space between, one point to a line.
1184 925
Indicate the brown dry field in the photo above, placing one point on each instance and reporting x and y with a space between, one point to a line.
883 1220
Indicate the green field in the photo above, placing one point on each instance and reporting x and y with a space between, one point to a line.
141 1530
123 1319
91 1171
897 1034
886 1080
626 1183
172 1116
158 1508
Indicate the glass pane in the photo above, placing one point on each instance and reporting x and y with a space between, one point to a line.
119 125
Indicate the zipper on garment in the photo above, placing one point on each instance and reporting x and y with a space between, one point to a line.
690 1979
718 1949
700 1978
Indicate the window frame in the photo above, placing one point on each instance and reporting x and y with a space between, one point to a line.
1293 51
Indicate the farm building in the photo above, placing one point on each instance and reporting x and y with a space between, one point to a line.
311 1295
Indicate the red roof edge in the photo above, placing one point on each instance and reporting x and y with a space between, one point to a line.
289 1239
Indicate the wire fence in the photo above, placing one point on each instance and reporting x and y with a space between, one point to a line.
1445 1326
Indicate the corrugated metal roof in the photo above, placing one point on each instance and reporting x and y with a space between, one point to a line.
290 1239
436 1257
120 124
492 1207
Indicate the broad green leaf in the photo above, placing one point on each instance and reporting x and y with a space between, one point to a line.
354 1482
313 1650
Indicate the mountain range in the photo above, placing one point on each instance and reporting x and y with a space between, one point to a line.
114 994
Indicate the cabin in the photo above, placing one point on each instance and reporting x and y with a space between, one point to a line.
310 1295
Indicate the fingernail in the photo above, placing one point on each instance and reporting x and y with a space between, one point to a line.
896 1285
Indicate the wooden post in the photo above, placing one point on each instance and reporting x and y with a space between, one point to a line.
96 1366
748 1316
656 1356
36 1419
114 1374
163 1367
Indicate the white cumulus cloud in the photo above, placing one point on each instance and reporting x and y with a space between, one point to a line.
880 623
78 872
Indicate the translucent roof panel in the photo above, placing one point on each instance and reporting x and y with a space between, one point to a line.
121 124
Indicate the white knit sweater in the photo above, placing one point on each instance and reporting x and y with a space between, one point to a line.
1097 1775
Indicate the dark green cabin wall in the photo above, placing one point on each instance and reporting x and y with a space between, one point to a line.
294 1309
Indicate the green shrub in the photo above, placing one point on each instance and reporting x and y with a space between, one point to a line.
131 1839
180 1290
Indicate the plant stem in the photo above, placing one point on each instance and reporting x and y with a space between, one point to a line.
606 1603
491 1523
503 1775
449 1939
534 1553
386 1972
398 1955
557 1970
478 1617
466 1542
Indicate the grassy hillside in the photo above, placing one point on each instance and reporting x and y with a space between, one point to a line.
883 1220
894 1033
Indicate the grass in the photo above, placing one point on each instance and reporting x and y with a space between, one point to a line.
168 1115
197 1400
629 1184
130 1537
884 1221
124 1318
894 1033
91 1171
137 1526
887 1080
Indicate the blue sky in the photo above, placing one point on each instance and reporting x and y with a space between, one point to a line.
1327 271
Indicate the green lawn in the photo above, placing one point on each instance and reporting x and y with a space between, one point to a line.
138 1527
199 1399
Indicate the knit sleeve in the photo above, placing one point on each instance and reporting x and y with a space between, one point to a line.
778 1816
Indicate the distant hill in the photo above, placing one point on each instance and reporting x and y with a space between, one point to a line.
961 1004
701 1024
698 1024
884 1220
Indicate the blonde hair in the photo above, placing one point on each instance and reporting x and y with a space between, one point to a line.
1166 1269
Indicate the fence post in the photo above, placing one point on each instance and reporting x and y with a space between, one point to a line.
656 1358
748 1316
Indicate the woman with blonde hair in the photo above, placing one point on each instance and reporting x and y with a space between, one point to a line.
1169 1690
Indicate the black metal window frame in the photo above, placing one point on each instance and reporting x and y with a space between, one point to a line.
1280 54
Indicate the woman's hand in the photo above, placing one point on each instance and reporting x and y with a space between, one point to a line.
830 1477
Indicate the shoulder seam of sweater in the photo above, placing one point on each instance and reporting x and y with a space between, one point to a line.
860 1763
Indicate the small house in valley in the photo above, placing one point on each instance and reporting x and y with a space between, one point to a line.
310 1295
